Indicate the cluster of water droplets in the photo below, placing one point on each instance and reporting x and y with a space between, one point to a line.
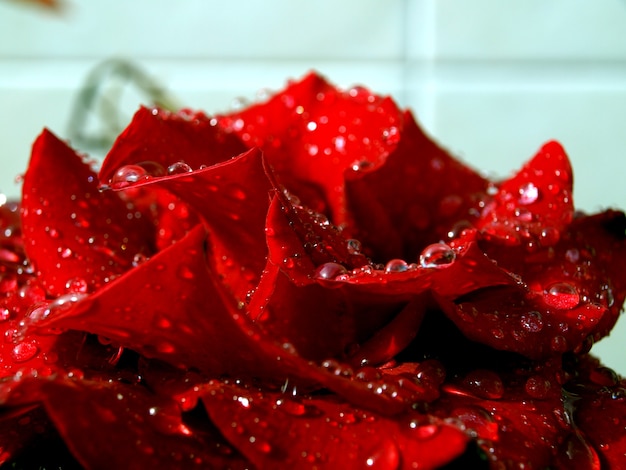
128 175
434 256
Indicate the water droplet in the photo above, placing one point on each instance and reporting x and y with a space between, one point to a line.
353 246
178 168
528 194
437 255
559 344
477 421
532 321
562 295
396 266
391 135
362 165
77 285
128 174
52 233
329 271
572 255
484 384
337 368
24 351
5 314
537 386
139 258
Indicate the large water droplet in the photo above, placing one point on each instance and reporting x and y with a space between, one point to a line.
528 194
128 174
329 271
24 351
562 295
178 168
537 386
437 255
396 266
353 246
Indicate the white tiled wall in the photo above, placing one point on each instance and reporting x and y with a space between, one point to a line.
491 80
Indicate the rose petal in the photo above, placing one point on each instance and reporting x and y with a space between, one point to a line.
232 199
25 428
75 234
202 329
331 316
155 139
416 198
311 132
567 292
599 404
122 426
515 412
534 205
275 430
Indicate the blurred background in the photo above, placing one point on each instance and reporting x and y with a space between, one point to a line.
489 80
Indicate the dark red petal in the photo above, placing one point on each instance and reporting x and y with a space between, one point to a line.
113 425
156 139
566 292
311 132
599 404
274 430
330 310
75 234
232 198
202 328
516 412
534 204
193 328
416 198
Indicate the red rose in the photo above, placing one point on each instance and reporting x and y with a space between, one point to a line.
309 282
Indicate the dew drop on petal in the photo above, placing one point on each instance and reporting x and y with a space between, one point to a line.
337 368
178 168
484 384
353 246
128 174
528 194
396 266
24 351
329 271
477 421
537 386
77 285
531 321
437 255
562 295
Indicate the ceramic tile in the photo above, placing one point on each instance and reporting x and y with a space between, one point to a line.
531 29
204 29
